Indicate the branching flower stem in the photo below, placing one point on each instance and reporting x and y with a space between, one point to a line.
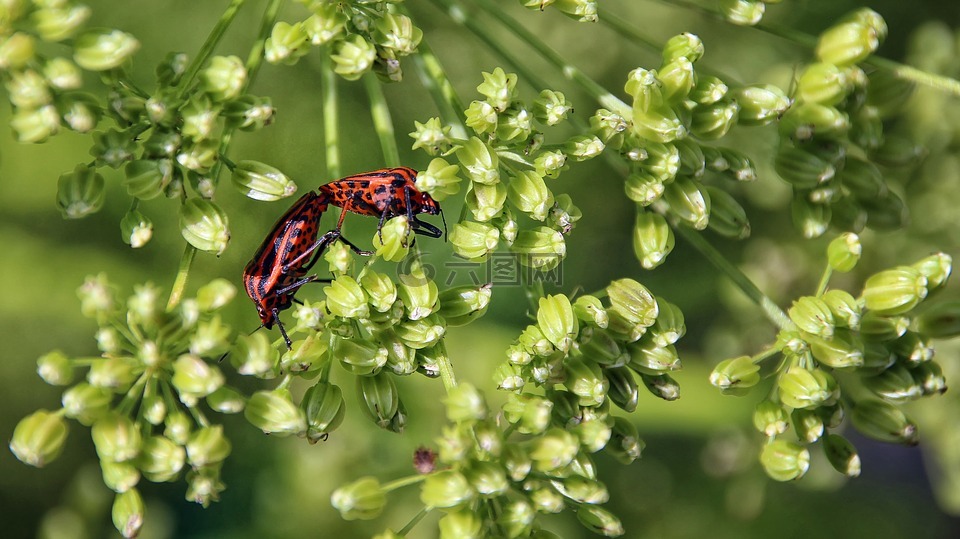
208 47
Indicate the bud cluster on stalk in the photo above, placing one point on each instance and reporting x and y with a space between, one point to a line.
879 343
148 396
360 36
744 12
509 167
834 151
666 136
166 141
373 327
578 10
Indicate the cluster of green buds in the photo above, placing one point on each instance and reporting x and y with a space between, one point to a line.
833 151
843 356
662 138
359 36
45 89
491 478
508 166
146 398
374 327
578 10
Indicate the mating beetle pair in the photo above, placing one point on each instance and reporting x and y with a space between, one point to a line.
280 266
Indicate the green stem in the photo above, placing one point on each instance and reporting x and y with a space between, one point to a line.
445 368
402 482
434 79
180 283
133 394
824 281
413 522
208 47
331 121
382 122
598 92
771 309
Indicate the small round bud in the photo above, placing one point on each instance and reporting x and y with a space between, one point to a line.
589 309
363 499
324 408
811 314
761 105
346 299
39 438
844 252
86 403
439 180
224 78
689 201
883 421
128 513
499 88
583 147
260 181
803 388
936 268
811 219
770 418
136 229
460 524
553 450
102 49
940 321
116 438
288 42
842 455
531 413
784 461
894 291
653 239
326 23
16 51
274 412
55 368
354 57
734 375
464 304
479 161
204 225
842 350
391 241
600 521
80 193
160 459
676 79
446 489
551 107
530 195
685 45
847 43
194 378
578 10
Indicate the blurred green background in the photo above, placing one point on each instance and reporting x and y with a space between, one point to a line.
698 476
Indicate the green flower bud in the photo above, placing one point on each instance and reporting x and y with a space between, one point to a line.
801 168
894 291
194 378
770 418
862 179
823 83
662 386
876 327
676 79
914 348
633 301
551 107
154 409
354 57
35 125
804 121
811 314
582 490
653 239
55 368
363 499
683 45
288 42
423 333
589 309
248 112
556 320
479 161
397 33
103 49
516 461
254 356
600 521
583 147
16 51
531 413
464 304
116 438
541 248
623 389
446 489
803 388
883 421
936 268
119 476
362 358
643 188
488 478
146 179
177 427
761 105
160 459
517 518
39 438
113 373
586 380
486 201
811 219
625 443
553 450
80 112
326 23
419 294
262 182
847 43
204 225
127 513
732 376
842 455
808 424
550 163
688 201
727 216
930 377
482 117
28 90
379 398
895 384
346 299
529 194
136 229
515 124
844 252
843 350
579 10
86 403
598 346
391 241
440 179
594 433
224 78
80 193
474 241
460 525
324 408
708 90
465 403
711 122
274 412
784 461
499 88
226 400
508 377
